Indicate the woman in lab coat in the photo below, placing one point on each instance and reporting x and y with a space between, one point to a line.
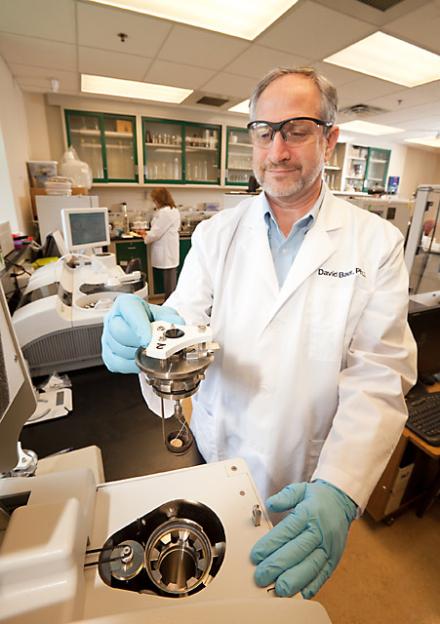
164 237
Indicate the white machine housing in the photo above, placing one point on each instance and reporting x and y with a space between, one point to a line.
58 525
42 557
59 321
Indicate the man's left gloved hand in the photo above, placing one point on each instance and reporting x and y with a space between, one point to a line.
300 553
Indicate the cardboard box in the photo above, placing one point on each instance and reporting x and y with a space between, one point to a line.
122 125
6 240
401 481
41 170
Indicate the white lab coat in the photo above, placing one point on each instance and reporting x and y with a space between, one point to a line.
164 236
308 381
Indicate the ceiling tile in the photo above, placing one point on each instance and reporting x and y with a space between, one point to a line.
69 81
364 90
41 85
337 75
420 27
113 64
177 75
429 122
49 19
34 85
37 52
257 60
202 48
314 31
229 84
415 117
98 27
406 98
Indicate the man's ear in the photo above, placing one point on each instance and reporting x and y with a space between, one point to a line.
331 140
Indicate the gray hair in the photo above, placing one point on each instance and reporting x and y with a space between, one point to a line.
329 96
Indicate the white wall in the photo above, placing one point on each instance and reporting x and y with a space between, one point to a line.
14 197
35 107
7 207
421 167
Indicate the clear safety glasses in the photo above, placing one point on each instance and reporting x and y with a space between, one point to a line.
295 131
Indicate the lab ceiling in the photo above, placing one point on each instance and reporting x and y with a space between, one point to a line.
45 39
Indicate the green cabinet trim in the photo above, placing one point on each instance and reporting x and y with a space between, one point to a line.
130 250
100 133
185 246
172 143
377 156
247 171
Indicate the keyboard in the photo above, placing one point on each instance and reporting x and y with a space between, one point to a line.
424 417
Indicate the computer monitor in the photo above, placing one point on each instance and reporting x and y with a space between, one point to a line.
17 397
85 228
425 325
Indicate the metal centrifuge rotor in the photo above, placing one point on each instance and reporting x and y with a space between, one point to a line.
174 364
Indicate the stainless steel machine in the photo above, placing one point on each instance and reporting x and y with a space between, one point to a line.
174 364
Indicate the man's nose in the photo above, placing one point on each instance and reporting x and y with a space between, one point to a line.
279 149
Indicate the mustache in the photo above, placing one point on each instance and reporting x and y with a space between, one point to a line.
272 166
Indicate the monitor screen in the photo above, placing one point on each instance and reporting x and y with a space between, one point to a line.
85 228
425 325
17 397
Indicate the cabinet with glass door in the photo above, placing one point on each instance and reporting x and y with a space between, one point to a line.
238 157
105 141
377 168
333 168
356 165
177 152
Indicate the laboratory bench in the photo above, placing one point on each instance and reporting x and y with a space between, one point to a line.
411 477
110 412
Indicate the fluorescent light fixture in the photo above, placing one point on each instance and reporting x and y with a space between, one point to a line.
433 141
245 19
389 58
131 89
365 127
241 107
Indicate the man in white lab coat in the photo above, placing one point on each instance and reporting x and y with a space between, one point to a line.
307 296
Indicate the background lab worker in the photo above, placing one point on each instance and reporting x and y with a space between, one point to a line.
164 237
307 296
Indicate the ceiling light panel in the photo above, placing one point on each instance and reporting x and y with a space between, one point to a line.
389 58
365 127
241 107
245 19
103 85
433 141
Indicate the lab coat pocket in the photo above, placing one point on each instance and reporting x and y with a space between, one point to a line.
313 453
325 324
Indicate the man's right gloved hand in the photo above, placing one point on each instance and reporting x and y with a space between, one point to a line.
127 327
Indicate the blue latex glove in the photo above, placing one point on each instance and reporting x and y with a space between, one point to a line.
300 553
127 327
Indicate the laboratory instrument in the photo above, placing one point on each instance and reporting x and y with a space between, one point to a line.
160 548
174 364
59 318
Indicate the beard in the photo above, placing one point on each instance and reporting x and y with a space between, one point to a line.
289 186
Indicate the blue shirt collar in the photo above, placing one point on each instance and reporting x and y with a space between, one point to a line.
308 219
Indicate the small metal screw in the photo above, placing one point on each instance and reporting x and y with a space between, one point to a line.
256 515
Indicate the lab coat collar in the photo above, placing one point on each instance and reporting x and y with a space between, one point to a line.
316 248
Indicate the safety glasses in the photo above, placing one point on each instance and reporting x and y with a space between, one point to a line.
295 131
